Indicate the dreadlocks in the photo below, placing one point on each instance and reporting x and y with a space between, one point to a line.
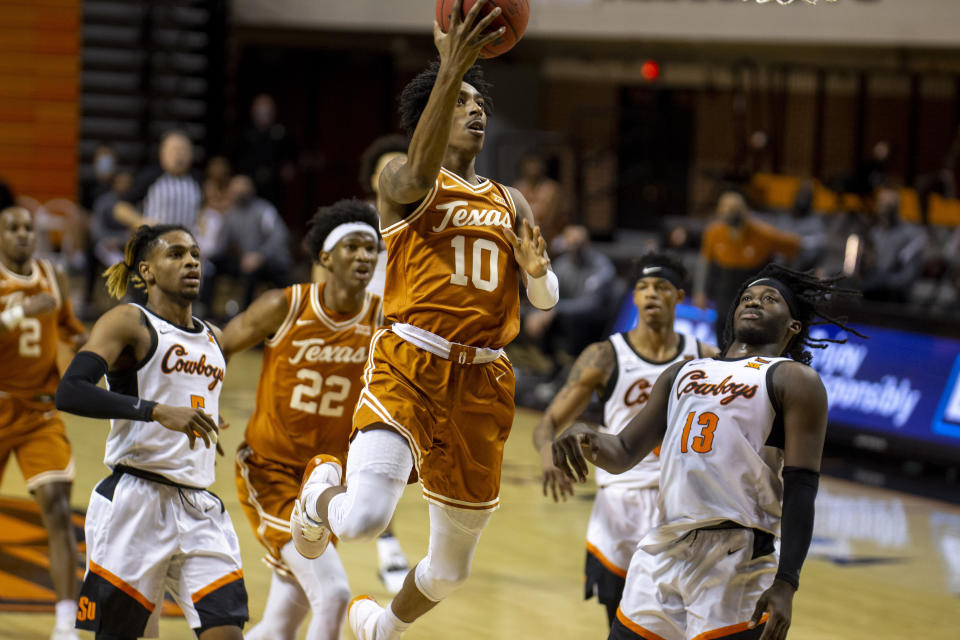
142 240
812 297
413 99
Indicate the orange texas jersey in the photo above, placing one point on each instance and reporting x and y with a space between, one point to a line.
29 352
450 268
311 379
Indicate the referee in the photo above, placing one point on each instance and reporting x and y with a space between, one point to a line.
169 194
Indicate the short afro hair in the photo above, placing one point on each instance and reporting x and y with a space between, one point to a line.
391 143
413 99
326 219
660 259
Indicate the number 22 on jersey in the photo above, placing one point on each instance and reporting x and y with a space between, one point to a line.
337 387
704 442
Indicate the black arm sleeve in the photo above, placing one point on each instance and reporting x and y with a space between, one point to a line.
796 528
79 394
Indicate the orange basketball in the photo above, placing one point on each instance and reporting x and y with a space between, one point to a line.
514 16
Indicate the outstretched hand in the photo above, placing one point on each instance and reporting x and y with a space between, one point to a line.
777 601
193 422
554 480
462 43
573 448
529 249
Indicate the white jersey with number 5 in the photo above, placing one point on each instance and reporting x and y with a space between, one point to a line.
626 394
722 453
184 368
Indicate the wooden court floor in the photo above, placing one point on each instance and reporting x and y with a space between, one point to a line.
884 565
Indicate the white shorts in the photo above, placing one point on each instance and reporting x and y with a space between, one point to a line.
144 538
704 585
621 516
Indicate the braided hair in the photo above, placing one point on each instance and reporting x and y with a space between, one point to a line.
413 99
143 239
814 297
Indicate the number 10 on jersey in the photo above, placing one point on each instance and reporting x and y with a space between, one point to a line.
480 248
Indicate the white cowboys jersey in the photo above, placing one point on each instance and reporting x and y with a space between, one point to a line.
627 392
184 368
722 453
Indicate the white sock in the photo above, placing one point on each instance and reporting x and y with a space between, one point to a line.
286 608
390 627
324 581
66 614
390 553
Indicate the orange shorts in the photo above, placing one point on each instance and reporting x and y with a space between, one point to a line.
455 417
37 436
267 490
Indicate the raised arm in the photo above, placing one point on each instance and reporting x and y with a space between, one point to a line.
803 401
530 252
261 320
617 453
589 374
118 341
408 179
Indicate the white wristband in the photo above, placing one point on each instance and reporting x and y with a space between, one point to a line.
12 317
543 292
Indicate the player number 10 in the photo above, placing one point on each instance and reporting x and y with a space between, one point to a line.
480 245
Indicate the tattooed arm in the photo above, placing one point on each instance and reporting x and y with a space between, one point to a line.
590 374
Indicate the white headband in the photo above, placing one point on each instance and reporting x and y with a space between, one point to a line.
345 229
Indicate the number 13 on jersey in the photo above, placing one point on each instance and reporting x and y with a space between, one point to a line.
704 442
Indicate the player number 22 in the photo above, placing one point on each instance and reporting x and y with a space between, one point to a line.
704 442
30 338
480 246
337 387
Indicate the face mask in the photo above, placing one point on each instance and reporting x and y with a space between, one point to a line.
104 165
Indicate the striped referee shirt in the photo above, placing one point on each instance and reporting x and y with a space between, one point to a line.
173 200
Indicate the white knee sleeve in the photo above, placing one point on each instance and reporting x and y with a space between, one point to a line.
454 534
324 582
378 468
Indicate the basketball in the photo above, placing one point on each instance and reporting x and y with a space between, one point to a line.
514 16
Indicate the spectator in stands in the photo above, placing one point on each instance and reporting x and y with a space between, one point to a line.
216 203
587 291
873 172
107 235
170 193
542 193
803 222
735 246
893 254
267 152
104 168
255 240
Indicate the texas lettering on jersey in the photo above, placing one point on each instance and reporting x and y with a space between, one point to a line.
457 214
726 387
313 350
173 361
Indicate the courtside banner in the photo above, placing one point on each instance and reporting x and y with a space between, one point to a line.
897 383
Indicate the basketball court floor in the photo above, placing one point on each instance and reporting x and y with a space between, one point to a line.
884 565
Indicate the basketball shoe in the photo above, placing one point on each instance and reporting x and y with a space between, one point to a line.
311 536
363 612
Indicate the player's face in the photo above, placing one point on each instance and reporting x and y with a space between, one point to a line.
656 300
352 259
17 237
469 120
763 317
174 265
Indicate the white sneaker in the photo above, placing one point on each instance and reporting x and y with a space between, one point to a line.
393 568
64 634
362 615
311 537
